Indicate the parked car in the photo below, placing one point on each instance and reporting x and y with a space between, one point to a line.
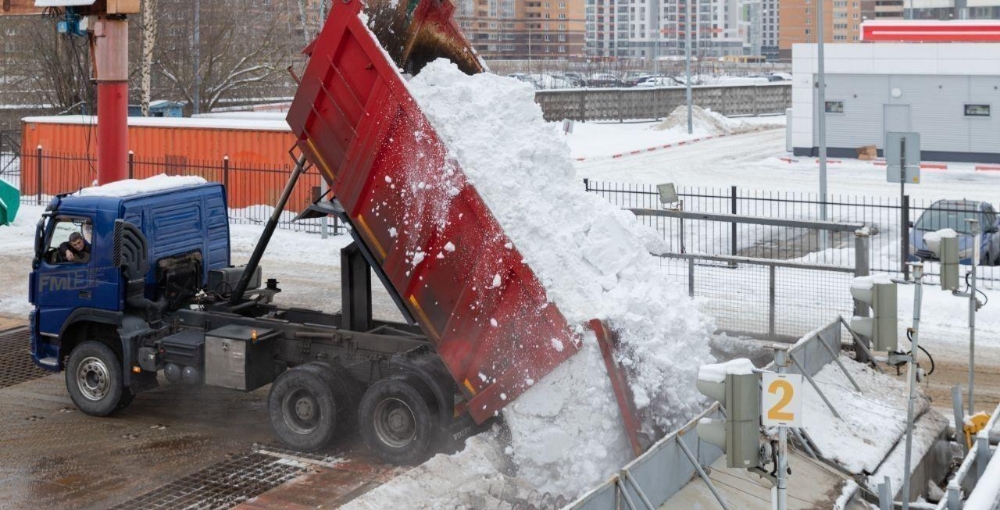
953 214
603 80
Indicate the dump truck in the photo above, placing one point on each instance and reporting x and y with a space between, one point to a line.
158 293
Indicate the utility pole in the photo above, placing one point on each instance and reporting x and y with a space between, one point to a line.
196 59
911 376
687 63
821 96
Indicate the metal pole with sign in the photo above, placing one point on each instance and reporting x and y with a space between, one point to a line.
781 404
902 158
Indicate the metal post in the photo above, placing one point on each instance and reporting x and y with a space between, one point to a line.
973 305
822 113
885 495
905 213
110 43
680 207
38 167
904 227
131 165
734 210
862 257
781 502
687 63
982 452
225 172
770 301
956 407
324 187
691 277
911 374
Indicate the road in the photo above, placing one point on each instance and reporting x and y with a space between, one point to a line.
751 161
174 447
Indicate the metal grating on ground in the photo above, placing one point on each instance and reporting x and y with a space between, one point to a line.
16 366
221 486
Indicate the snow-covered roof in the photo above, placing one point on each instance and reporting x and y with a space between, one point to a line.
129 187
171 122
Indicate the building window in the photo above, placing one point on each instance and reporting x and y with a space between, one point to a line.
977 110
834 107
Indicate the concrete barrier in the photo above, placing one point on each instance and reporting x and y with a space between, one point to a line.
655 103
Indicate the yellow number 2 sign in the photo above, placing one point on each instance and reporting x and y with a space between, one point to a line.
782 400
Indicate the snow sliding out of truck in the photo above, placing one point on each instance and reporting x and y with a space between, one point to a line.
159 293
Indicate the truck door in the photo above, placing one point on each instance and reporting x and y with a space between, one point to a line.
66 277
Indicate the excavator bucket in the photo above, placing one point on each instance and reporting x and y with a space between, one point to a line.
417 33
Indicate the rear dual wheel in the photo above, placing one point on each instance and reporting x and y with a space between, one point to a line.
397 421
312 404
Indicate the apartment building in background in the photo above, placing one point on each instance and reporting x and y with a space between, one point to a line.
799 22
647 29
524 29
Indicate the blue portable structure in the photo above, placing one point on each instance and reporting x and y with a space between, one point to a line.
160 108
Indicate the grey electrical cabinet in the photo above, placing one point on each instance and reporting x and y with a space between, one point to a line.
949 263
239 357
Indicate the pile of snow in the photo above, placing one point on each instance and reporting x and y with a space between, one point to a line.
867 282
129 187
702 120
716 372
566 433
933 239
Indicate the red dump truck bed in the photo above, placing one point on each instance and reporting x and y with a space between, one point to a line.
427 227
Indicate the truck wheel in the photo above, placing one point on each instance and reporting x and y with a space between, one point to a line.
94 379
346 392
303 409
396 421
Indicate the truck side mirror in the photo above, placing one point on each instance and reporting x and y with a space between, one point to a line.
39 243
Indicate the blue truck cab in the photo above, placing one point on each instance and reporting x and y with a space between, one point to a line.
144 251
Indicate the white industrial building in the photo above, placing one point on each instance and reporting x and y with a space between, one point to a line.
949 93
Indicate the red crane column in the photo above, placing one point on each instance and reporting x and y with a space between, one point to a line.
110 49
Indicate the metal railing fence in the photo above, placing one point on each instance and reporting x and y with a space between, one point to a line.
883 216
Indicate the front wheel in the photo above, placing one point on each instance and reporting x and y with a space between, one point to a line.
94 379
396 421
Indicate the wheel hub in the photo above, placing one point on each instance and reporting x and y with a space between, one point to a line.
301 411
93 379
395 424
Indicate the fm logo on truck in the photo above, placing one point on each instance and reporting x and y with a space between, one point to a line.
76 279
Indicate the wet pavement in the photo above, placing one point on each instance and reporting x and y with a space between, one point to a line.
174 447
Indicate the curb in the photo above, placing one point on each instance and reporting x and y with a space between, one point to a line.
653 149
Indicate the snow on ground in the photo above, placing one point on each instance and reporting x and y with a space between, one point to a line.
870 422
601 140
752 161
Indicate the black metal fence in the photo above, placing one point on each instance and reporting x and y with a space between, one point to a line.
251 189
883 216
10 148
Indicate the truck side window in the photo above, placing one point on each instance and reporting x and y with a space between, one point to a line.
70 242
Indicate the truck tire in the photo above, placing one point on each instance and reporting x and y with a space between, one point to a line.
396 421
303 409
94 379
346 392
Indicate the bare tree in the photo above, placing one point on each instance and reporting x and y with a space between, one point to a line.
148 27
58 68
236 59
